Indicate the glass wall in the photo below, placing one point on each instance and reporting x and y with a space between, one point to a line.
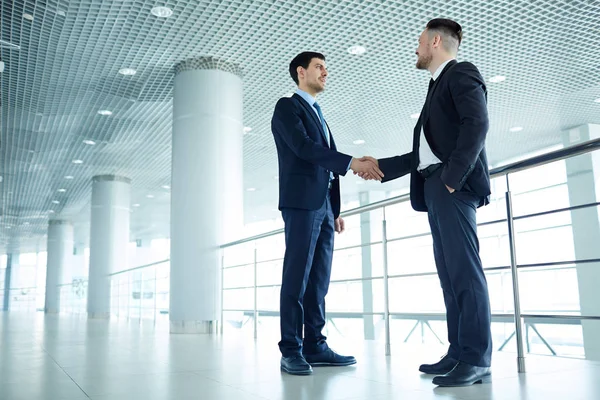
545 250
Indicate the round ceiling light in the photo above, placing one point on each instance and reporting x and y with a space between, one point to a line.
77 161
516 129
105 112
357 50
127 71
90 142
497 79
415 115
359 141
162 12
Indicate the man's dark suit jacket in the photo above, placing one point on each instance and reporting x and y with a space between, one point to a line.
455 122
305 159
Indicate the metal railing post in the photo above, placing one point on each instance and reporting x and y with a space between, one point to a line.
255 295
222 290
515 279
386 298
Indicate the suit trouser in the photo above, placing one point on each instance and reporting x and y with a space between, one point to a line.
452 218
305 282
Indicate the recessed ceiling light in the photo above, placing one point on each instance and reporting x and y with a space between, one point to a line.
597 100
162 12
497 79
28 17
127 71
62 190
247 129
166 187
77 161
516 129
51 212
68 177
359 141
136 205
55 202
357 50
90 142
105 112
415 115
150 196
251 189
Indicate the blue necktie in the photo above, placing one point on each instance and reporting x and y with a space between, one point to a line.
324 125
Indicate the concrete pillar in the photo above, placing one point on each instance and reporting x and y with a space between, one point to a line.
583 180
7 278
206 188
109 237
59 262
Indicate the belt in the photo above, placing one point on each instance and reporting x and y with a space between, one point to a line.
427 172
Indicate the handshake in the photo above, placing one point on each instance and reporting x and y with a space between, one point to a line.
367 168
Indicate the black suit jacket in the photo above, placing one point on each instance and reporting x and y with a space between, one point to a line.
455 123
305 159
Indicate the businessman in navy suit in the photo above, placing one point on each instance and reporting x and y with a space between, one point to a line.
309 200
450 180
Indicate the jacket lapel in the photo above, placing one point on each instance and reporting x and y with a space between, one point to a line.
311 112
425 112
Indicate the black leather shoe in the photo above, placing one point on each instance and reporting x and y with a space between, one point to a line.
329 358
295 365
464 375
441 367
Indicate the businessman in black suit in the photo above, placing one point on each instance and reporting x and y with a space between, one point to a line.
309 200
450 180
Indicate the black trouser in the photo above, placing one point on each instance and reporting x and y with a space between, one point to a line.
452 218
305 282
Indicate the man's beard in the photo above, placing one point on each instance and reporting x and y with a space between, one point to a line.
316 87
423 62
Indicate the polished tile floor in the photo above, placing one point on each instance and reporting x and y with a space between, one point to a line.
68 357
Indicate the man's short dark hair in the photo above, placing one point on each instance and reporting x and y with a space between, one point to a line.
448 28
303 60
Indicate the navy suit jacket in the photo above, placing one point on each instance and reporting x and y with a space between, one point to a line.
455 123
305 159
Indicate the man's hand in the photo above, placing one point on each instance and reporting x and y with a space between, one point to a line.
340 225
449 189
366 168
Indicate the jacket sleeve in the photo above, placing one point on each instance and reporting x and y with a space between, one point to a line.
288 125
395 167
467 89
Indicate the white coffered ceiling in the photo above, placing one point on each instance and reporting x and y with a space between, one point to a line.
66 69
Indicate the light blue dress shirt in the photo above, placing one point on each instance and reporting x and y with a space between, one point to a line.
311 101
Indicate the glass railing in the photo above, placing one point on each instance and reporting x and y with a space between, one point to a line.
384 284
73 297
141 292
21 298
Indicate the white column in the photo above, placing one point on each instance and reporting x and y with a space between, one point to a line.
583 180
7 283
109 236
206 189
59 261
